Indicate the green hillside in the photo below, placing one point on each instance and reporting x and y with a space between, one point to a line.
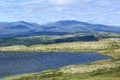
35 40
107 44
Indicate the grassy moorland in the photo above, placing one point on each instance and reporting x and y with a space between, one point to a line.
80 42
100 70
105 44
102 45
44 40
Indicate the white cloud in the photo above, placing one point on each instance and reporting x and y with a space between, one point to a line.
55 9
62 2
58 8
86 0
104 3
17 0
110 21
68 2
79 13
73 18
118 12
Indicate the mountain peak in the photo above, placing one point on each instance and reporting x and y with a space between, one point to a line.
68 21
64 27
71 22
21 22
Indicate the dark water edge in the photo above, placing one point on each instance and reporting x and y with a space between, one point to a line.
32 62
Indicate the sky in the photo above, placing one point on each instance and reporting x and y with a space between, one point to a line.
43 11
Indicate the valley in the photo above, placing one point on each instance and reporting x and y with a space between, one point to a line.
67 36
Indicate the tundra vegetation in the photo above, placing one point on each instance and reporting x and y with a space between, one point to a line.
100 70
44 40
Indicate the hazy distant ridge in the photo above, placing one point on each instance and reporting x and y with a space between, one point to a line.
22 28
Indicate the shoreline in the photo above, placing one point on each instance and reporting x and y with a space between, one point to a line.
71 64
48 72
106 48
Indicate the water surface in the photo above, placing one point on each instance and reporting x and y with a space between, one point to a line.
20 63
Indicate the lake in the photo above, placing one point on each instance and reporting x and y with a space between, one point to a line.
21 63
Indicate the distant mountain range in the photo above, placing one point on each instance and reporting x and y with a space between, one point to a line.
22 28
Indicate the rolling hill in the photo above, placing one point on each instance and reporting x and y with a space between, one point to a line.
22 28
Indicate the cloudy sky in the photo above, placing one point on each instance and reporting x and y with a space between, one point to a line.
42 11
